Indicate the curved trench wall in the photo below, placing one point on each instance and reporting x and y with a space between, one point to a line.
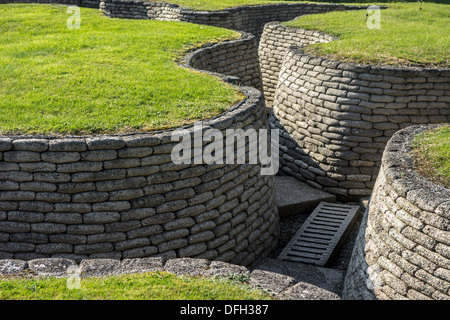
403 248
238 59
335 118
121 196
275 41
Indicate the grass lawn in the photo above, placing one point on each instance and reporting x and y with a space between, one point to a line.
111 75
432 154
211 5
144 286
408 36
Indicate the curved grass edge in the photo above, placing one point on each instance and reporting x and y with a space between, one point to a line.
431 150
249 98
214 5
341 50
155 285
181 60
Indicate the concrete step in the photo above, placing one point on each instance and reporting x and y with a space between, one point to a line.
294 196
325 280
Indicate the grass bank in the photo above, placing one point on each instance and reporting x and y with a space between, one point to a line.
211 5
407 35
144 286
111 75
432 154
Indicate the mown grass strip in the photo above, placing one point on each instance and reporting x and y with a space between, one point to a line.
212 5
144 286
432 154
111 75
407 36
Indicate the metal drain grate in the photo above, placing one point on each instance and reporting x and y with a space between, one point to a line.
321 234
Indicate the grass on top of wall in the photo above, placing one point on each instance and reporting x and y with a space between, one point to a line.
142 286
111 75
432 154
407 36
211 5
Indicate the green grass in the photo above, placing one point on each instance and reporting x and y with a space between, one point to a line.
212 5
145 286
432 153
408 36
111 75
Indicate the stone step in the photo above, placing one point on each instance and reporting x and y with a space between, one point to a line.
326 280
294 196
